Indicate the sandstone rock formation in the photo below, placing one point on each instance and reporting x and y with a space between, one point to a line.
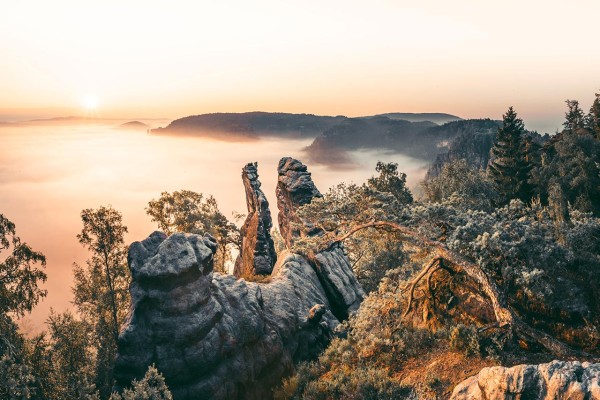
295 188
214 336
555 380
258 254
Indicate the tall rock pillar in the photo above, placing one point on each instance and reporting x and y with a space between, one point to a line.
257 256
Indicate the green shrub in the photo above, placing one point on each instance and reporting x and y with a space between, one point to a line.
464 339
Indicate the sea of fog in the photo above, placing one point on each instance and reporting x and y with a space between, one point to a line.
49 173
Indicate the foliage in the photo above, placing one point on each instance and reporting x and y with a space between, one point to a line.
188 211
19 293
391 181
348 384
278 242
151 387
19 272
592 121
574 117
509 168
101 287
573 163
16 378
72 356
361 364
462 185
518 246
371 252
464 338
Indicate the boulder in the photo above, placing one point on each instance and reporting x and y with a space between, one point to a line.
555 380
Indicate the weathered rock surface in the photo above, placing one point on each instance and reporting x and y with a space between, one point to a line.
295 188
214 336
258 254
555 380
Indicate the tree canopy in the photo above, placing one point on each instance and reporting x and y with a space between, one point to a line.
190 212
20 272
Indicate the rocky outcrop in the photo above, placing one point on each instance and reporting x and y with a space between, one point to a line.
214 336
555 380
258 254
295 188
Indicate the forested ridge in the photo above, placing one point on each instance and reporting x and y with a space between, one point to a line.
497 263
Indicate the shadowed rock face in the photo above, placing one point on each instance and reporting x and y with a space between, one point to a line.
258 254
555 380
214 336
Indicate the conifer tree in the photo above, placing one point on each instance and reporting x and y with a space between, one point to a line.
574 117
593 118
509 168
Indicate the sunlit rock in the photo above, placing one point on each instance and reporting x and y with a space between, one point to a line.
555 380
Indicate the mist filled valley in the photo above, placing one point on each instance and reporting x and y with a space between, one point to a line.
50 172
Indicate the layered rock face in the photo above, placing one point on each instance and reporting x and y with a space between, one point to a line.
214 336
258 254
555 380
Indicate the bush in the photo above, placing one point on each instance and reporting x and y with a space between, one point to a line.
151 387
343 383
464 339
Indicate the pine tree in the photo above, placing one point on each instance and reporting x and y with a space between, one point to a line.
593 118
509 168
574 117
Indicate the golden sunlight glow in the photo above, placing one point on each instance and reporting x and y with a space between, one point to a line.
335 57
90 103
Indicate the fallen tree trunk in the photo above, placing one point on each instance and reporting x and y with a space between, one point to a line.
505 317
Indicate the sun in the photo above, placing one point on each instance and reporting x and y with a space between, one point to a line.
90 103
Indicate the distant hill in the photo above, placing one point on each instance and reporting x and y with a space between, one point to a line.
416 135
438 118
472 142
251 125
70 120
258 123
133 126
423 140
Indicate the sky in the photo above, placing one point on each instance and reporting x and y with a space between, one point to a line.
130 58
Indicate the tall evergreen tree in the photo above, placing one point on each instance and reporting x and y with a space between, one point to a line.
509 168
593 118
574 117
